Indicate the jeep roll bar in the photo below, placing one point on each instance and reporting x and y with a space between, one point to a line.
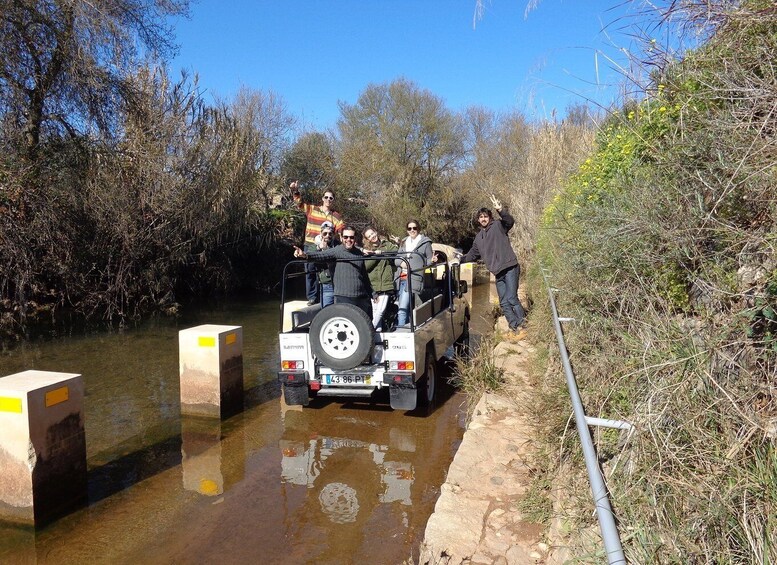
387 256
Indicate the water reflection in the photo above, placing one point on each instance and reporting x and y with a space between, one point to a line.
335 483
365 479
303 462
204 467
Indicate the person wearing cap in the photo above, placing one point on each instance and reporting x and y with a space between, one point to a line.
326 240
316 216
493 245
325 226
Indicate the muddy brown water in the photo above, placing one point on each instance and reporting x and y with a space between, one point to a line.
337 482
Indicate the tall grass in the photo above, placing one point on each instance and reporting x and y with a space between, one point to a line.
478 375
663 245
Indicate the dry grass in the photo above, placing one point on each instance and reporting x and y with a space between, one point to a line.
668 260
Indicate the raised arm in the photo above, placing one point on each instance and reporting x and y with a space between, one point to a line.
324 255
297 197
507 219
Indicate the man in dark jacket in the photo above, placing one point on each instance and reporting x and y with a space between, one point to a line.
493 246
352 285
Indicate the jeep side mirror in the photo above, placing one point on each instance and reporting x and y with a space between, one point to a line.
462 287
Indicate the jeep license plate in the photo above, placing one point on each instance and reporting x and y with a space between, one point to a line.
348 379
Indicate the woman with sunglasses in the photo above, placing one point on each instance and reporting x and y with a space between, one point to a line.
417 249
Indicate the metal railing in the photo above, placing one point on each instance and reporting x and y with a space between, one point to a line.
610 536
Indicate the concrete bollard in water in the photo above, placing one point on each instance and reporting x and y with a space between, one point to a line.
42 446
467 273
211 370
493 295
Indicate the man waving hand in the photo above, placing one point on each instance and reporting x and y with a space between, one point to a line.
493 246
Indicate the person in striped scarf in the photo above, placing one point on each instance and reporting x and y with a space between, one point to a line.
316 216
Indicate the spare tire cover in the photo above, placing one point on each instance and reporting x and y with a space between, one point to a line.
341 336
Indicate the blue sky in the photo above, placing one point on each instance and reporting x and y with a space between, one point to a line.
314 53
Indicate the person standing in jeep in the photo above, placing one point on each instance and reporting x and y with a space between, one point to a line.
350 279
326 270
417 249
316 217
493 246
381 275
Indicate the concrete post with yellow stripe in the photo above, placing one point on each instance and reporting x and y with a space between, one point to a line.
42 446
211 370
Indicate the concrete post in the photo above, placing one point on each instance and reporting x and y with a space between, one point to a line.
211 370
493 295
42 446
467 273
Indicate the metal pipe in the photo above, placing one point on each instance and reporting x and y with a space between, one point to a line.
605 423
610 536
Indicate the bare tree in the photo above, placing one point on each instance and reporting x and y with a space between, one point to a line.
65 62
399 145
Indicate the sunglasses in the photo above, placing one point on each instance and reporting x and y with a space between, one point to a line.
329 197
349 237
412 228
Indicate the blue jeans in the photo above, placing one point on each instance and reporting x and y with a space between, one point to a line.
327 294
507 289
404 303
311 277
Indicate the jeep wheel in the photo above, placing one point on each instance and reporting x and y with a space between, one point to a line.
341 336
427 385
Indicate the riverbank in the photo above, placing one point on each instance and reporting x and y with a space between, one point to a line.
478 517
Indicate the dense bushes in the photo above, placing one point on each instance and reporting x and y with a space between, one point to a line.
174 206
664 246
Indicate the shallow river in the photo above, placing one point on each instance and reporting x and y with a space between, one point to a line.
334 483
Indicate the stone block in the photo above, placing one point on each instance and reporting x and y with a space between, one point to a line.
467 273
42 446
211 370
493 295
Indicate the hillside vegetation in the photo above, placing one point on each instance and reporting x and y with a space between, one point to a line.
663 248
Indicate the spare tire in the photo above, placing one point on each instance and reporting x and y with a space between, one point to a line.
341 336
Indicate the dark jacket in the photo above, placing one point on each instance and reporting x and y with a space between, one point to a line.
418 263
381 272
350 277
493 246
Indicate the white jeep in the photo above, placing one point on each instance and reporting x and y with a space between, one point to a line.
335 351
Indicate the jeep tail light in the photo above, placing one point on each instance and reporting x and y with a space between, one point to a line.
402 366
287 365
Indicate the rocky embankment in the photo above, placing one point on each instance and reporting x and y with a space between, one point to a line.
477 519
